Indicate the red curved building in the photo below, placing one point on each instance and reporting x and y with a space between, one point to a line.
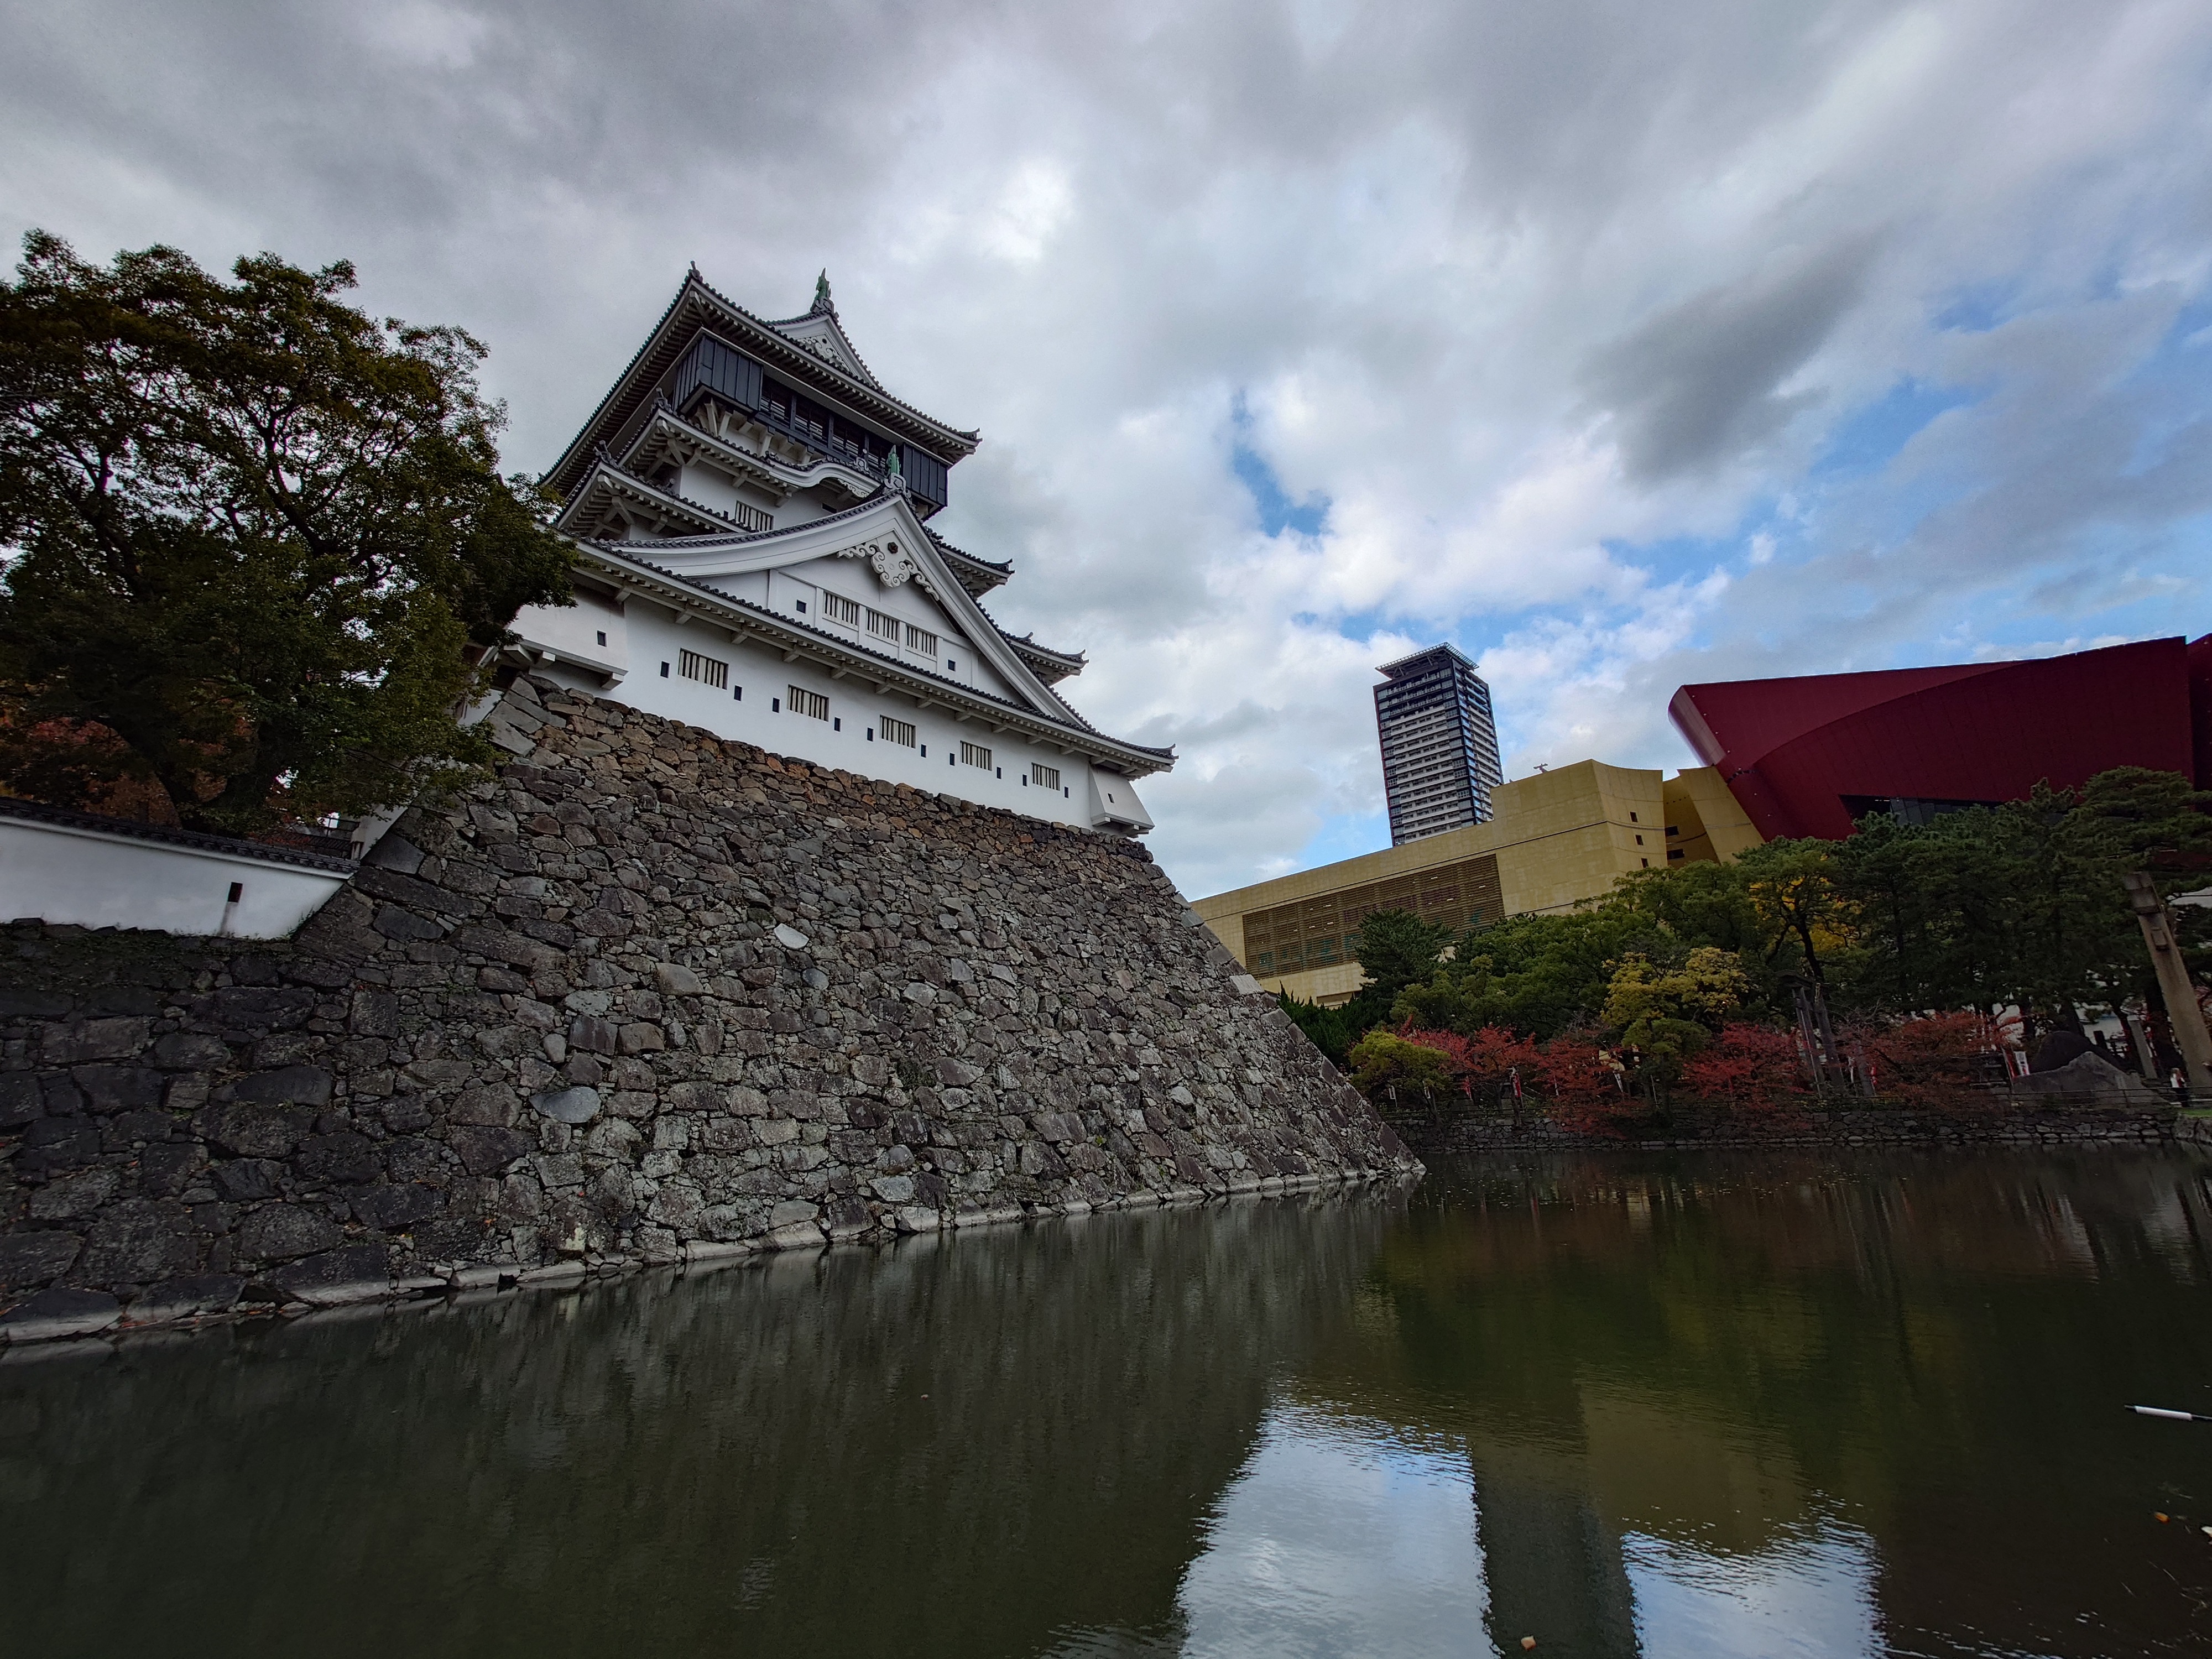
1806 757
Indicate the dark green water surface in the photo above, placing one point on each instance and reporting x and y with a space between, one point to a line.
1710 1406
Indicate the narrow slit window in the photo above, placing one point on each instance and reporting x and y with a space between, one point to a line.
812 703
920 640
839 608
882 627
1045 777
708 671
973 754
897 731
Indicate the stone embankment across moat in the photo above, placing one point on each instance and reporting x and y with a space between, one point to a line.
650 997
1978 1121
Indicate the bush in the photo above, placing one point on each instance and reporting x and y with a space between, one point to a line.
1749 1067
1396 1070
1936 1061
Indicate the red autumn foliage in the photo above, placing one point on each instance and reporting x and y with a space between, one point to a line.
1566 1077
1584 1091
1932 1061
1483 1066
1750 1068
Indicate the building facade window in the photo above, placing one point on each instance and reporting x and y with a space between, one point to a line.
920 640
811 704
708 671
1045 777
839 608
882 627
897 731
972 754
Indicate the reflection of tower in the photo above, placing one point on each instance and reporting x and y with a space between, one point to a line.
1439 744
1553 1566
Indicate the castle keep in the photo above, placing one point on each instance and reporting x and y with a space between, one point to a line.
750 508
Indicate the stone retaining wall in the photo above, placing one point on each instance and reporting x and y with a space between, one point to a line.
651 995
2056 1125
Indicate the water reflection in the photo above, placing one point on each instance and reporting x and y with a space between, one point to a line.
1627 1406
1810 1594
1003 1445
1337 1533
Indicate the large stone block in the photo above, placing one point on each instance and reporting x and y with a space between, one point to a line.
245 1130
303 1085
280 1232
486 1151
36 1258
135 1241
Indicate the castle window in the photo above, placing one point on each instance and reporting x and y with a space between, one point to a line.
708 671
897 731
973 754
1045 777
839 608
882 627
922 640
813 703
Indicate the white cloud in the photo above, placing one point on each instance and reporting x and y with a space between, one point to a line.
1564 311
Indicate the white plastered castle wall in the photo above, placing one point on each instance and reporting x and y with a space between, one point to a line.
754 707
88 877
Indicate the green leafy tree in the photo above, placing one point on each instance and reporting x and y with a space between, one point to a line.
1396 949
1537 975
1667 1014
1332 1030
1793 892
2069 913
2152 821
1932 912
256 544
1390 1070
1707 902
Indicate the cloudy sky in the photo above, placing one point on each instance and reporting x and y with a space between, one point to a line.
1621 344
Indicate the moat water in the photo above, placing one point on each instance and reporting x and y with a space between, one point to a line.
1701 1406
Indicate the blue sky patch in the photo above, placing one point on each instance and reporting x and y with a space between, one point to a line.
1278 512
1870 437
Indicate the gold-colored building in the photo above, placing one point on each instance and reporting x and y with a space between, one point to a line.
1558 840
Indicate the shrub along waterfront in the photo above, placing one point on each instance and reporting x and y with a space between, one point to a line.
1905 958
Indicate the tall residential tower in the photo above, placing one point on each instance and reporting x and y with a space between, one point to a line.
1439 744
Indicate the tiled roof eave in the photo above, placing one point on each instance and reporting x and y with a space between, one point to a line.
966 438
662 345
787 476
228 846
668 501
